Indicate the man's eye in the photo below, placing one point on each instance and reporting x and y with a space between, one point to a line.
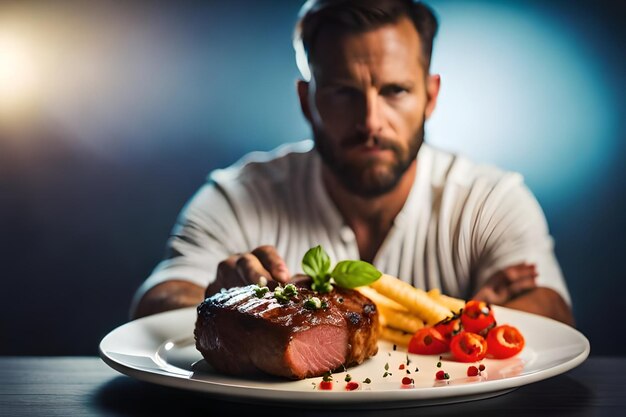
393 91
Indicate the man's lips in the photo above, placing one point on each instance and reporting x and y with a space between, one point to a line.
370 153
366 148
371 149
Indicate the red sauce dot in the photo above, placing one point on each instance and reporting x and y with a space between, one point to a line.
472 371
481 367
441 375
326 385
407 381
401 366
351 386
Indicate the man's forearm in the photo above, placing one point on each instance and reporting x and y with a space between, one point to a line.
167 296
545 302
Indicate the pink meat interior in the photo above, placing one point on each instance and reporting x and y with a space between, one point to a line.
317 350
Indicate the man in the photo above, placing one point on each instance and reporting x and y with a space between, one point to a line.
367 187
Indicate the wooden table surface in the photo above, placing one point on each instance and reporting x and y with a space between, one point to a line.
86 386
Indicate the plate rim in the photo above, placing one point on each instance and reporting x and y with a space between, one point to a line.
323 399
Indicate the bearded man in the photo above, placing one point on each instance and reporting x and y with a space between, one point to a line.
367 186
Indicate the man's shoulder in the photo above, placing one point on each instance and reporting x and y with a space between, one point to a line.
278 164
447 168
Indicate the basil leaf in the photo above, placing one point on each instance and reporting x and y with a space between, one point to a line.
316 263
352 274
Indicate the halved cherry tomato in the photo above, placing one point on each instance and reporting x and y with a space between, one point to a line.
504 341
449 327
477 317
427 341
468 347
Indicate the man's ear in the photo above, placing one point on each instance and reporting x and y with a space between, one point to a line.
303 95
433 82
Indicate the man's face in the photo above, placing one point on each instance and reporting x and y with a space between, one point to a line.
367 102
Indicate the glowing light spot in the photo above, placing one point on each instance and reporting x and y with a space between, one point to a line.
18 72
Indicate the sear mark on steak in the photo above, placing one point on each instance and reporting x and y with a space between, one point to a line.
237 332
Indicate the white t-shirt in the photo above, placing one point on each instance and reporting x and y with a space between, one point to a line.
461 223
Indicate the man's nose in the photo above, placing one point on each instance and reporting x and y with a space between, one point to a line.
370 120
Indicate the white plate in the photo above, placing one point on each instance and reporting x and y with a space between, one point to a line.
160 349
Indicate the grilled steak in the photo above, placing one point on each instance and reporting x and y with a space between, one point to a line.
238 332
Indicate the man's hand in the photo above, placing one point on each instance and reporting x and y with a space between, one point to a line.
261 266
507 284
515 287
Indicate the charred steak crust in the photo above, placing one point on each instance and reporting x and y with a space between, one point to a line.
237 332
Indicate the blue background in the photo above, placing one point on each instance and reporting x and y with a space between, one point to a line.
135 103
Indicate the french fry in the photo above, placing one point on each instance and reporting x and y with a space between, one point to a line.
382 320
414 299
400 320
380 300
453 304
397 337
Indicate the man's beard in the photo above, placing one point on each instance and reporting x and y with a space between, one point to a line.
367 179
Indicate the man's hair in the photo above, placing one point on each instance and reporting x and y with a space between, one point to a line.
359 16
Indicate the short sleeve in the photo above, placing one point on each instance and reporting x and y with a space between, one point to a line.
511 228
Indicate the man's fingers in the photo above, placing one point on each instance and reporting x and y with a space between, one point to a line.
272 262
226 276
251 271
488 295
522 271
522 285
508 283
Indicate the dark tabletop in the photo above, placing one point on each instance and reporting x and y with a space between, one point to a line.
86 386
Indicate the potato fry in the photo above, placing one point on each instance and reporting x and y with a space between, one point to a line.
380 300
414 299
400 320
382 320
453 304
397 337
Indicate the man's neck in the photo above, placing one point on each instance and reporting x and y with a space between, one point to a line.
370 218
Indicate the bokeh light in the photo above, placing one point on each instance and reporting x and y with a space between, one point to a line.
18 72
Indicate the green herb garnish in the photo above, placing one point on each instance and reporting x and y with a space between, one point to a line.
314 303
346 274
352 274
290 290
284 294
260 291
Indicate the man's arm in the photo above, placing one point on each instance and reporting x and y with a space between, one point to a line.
515 287
169 295
543 301
515 265
262 266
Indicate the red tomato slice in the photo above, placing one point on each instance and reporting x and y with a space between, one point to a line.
449 327
427 341
477 317
504 341
468 347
